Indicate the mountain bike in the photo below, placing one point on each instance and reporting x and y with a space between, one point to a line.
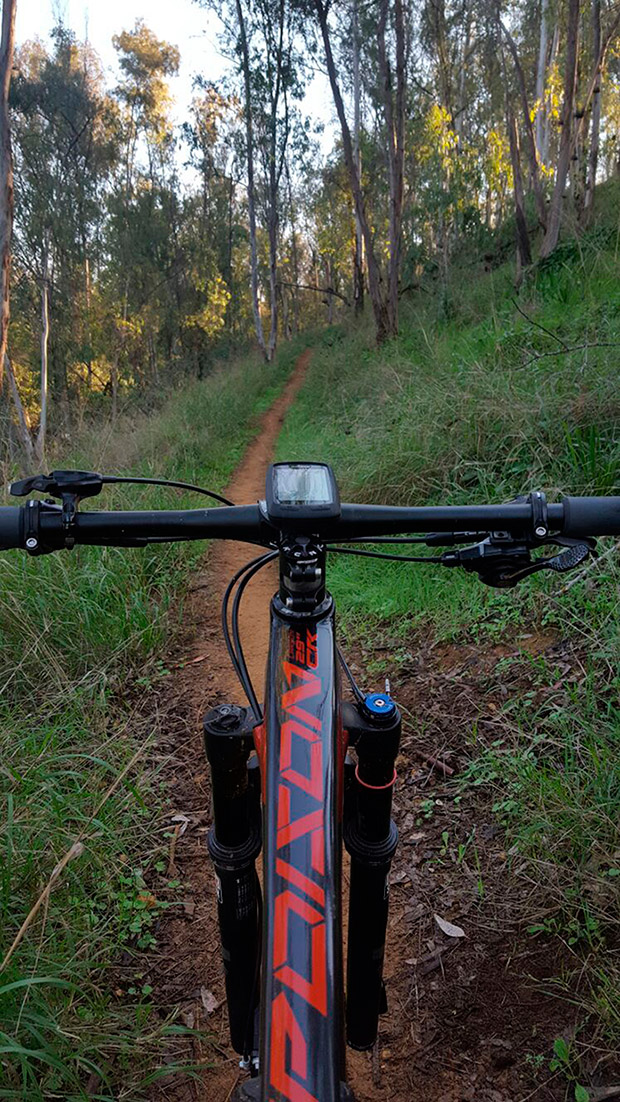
311 770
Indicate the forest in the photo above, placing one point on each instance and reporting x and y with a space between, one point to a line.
387 238
143 252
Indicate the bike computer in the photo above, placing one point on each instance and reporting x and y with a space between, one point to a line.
301 491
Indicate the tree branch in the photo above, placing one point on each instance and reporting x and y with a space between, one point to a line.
310 287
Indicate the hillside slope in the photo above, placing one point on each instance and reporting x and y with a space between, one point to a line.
484 396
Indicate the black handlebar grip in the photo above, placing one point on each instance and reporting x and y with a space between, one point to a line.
11 527
591 516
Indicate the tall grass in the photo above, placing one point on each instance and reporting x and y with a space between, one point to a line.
81 631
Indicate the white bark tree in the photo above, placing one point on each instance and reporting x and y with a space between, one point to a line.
6 171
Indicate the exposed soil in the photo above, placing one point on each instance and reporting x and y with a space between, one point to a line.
467 1017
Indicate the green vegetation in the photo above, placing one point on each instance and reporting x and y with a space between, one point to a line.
475 402
82 635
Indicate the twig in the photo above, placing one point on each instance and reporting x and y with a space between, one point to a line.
376 1065
310 287
538 325
228 1096
575 348
430 759
439 764
172 869
190 662
74 850
599 1094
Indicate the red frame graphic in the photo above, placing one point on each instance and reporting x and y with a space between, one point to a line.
301 751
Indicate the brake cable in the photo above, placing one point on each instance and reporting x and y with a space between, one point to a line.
75 485
168 482
357 692
233 646
381 555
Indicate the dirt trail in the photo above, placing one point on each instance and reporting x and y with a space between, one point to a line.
248 484
188 973
467 1020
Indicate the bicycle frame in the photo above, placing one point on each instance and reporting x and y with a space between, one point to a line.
302 751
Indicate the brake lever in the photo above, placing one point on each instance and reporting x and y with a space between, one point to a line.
59 483
69 486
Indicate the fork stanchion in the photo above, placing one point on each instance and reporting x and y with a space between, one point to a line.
371 837
234 843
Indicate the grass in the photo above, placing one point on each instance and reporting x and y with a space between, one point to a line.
492 398
83 635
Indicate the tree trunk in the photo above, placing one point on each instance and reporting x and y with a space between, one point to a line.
596 109
595 77
273 272
465 47
523 238
45 328
6 171
358 258
294 253
329 279
22 423
555 43
524 252
395 128
540 77
570 74
375 281
539 197
249 133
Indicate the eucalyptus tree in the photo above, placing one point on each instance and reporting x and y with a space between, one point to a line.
65 149
390 21
263 41
6 171
144 210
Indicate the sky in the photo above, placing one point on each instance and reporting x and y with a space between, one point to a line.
182 22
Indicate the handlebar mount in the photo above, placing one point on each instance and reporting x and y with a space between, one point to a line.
70 487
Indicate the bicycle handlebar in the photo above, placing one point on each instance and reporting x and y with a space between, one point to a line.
43 523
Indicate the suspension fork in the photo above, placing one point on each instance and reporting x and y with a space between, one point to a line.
371 837
234 843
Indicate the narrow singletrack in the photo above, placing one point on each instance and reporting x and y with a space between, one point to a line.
464 1018
188 973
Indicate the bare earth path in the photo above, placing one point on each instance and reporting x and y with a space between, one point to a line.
189 973
467 1021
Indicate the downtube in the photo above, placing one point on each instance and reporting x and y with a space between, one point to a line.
302 757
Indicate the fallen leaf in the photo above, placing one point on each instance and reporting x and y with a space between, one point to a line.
208 1000
448 928
399 876
189 907
182 820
